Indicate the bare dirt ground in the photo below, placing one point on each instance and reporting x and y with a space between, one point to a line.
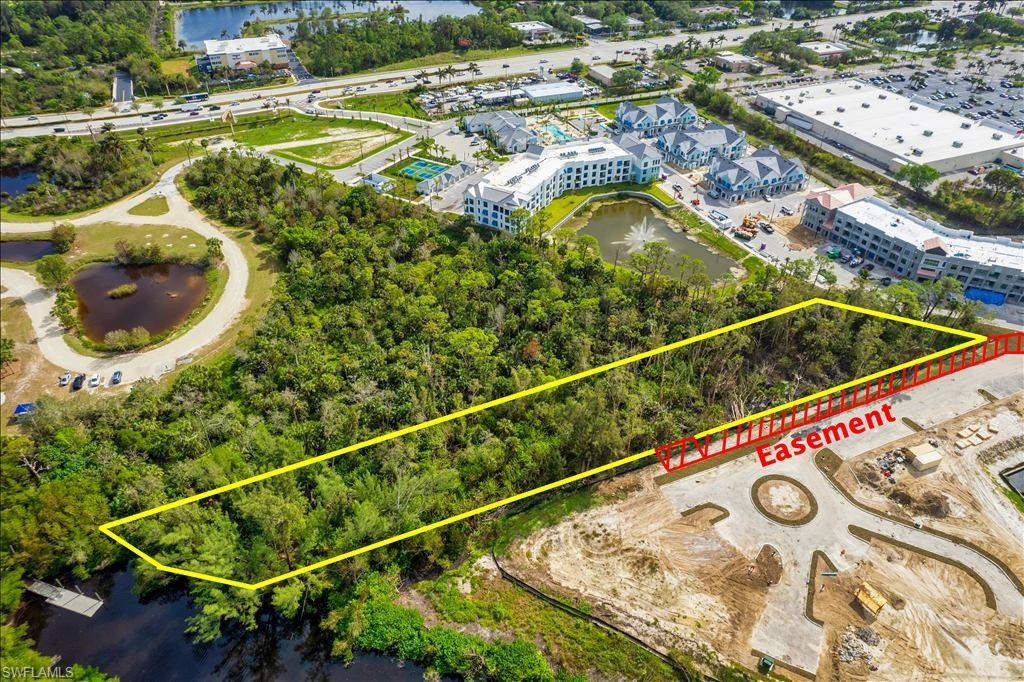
936 626
667 577
30 374
962 496
799 237
783 499
337 149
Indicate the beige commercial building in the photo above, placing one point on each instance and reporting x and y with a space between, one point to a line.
887 128
247 53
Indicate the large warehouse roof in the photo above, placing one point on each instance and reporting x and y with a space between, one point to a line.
892 122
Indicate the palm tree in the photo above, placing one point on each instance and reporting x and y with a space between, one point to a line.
422 75
291 174
189 146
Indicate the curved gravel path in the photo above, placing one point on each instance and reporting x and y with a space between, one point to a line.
150 363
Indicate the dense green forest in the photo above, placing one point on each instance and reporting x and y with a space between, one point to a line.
61 54
386 315
80 173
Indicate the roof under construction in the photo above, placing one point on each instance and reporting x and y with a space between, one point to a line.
870 598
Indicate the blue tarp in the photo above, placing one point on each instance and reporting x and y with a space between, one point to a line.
24 408
985 296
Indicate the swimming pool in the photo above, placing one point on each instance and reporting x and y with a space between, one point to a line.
556 132
423 170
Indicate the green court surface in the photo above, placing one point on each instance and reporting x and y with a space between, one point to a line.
423 170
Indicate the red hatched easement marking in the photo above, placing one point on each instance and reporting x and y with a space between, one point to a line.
689 451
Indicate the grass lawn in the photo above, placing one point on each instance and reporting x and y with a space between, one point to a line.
709 235
291 128
347 151
405 186
96 242
565 204
152 206
608 108
395 103
169 67
445 58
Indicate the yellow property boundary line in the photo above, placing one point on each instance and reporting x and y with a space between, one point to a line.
106 528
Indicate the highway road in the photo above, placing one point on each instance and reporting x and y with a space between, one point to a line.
244 102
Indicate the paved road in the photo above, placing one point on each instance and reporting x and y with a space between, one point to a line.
599 50
151 363
123 88
783 630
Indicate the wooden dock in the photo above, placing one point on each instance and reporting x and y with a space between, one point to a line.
66 599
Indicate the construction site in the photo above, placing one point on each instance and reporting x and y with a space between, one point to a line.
895 553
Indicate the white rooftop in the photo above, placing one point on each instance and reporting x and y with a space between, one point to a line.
825 47
550 89
267 42
734 57
547 163
532 26
889 115
959 243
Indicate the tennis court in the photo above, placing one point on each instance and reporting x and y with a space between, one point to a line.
423 170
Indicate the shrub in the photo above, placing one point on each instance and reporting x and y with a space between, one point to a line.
63 236
123 291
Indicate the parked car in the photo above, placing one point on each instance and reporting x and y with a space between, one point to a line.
64 379
115 378
786 210
78 382
885 281
94 381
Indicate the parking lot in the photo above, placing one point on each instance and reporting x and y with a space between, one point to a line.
784 209
993 99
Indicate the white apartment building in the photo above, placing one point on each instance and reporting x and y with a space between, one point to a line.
534 179
246 53
990 268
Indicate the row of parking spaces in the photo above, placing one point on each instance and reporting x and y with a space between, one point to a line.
775 220
996 100
79 381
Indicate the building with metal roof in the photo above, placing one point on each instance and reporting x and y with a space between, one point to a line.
765 172
559 91
508 130
693 147
652 119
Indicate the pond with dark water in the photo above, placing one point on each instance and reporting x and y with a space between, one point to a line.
144 639
25 250
167 293
197 24
625 227
14 182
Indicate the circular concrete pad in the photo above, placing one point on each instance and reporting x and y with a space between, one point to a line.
783 500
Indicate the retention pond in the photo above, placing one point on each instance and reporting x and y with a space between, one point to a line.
166 295
624 227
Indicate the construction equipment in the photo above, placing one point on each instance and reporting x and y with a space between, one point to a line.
748 230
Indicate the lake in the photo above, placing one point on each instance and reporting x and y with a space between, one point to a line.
624 227
167 293
14 182
197 24
25 250
144 639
